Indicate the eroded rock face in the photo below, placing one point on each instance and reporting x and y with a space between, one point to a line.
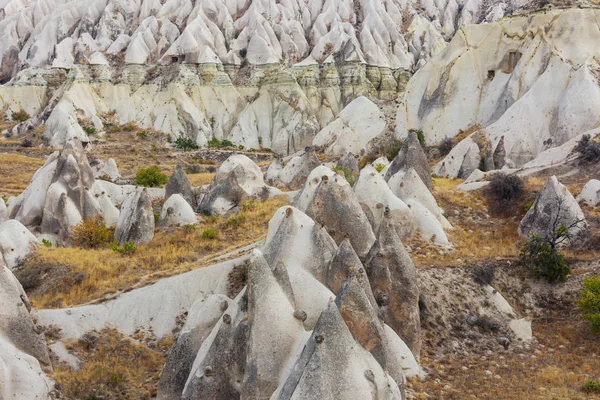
590 193
349 163
238 178
136 222
329 200
22 347
554 206
3 211
411 155
394 283
106 169
16 242
296 171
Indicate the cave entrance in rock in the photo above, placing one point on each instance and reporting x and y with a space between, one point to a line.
491 74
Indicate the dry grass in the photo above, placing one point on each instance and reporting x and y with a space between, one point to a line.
114 367
16 171
102 271
200 179
567 357
475 237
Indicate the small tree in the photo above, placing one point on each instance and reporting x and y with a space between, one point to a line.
150 177
589 302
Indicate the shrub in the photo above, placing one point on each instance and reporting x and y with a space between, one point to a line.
142 134
484 275
150 177
209 233
26 143
589 303
128 127
185 143
528 205
350 177
20 115
226 143
243 53
543 259
90 130
446 146
421 137
46 243
237 279
391 149
235 221
589 150
212 169
379 167
506 187
91 233
592 386
128 248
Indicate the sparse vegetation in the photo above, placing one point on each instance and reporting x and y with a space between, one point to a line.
91 233
128 248
210 233
391 149
589 303
484 275
185 143
504 192
114 367
379 167
90 130
150 177
589 149
592 386
235 221
347 173
421 137
128 127
20 116
445 146
46 243
26 143
543 259
237 279
215 143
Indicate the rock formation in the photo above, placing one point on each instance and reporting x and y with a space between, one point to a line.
105 170
16 242
136 222
22 347
356 125
393 280
3 211
294 174
554 206
237 179
176 212
349 165
329 200
590 194
179 184
411 155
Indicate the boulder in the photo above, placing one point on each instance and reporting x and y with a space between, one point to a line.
22 347
554 206
136 221
393 280
590 194
296 171
329 200
375 196
3 211
411 155
16 242
238 178
272 174
356 125
176 212
179 184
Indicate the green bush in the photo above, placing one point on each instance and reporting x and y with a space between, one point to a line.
90 130
226 143
91 233
592 386
209 233
350 177
421 137
235 221
215 143
589 303
128 127
46 243
543 259
185 143
128 248
379 167
20 115
150 177
142 134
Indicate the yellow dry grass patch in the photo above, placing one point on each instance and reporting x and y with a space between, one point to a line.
16 172
102 271
200 179
114 367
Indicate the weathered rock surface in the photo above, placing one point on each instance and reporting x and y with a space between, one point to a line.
3 211
237 179
176 212
106 169
349 163
411 155
590 194
394 283
22 347
356 125
294 174
179 184
375 197
136 222
527 81
554 206
16 242
329 200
